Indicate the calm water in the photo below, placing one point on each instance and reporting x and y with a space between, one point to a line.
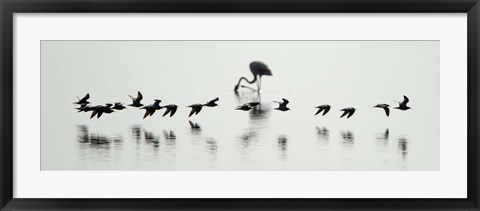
262 139
356 74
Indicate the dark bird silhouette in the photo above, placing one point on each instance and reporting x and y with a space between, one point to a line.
196 108
99 110
324 108
348 111
258 69
253 104
136 100
84 100
84 107
403 105
212 103
194 126
118 106
385 107
282 106
244 107
170 109
150 109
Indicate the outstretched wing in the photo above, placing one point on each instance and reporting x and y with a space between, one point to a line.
147 112
327 108
344 113
405 100
214 100
350 113
192 112
167 111
87 96
198 109
285 101
387 111
319 110
139 96
99 114
174 109
94 112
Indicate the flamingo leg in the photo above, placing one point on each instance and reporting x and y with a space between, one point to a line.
259 83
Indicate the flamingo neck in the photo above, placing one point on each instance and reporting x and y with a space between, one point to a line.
250 82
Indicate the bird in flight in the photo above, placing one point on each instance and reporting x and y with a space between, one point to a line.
244 107
196 108
84 107
258 70
348 111
212 103
170 109
84 100
99 110
118 106
150 109
282 106
325 108
385 107
403 105
136 100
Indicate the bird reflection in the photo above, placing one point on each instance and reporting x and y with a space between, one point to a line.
403 147
150 137
96 138
323 132
136 132
83 134
169 135
384 136
282 142
323 135
348 138
211 145
195 128
247 138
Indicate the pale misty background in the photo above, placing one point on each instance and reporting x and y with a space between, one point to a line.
359 74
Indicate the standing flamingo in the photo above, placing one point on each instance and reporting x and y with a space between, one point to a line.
258 69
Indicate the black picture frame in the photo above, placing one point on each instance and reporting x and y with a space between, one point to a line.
9 7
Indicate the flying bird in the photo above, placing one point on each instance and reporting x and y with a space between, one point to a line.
170 109
385 107
282 106
150 109
118 106
84 100
244 107
99 110
325 108
403 105
258 69
196 108
136 100
253 104
212 103
348 111
84 107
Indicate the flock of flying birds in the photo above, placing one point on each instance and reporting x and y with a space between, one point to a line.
108 108
258 70
171 109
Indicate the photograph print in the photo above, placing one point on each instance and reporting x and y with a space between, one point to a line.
240 105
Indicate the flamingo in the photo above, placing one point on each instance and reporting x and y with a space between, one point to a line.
258 69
